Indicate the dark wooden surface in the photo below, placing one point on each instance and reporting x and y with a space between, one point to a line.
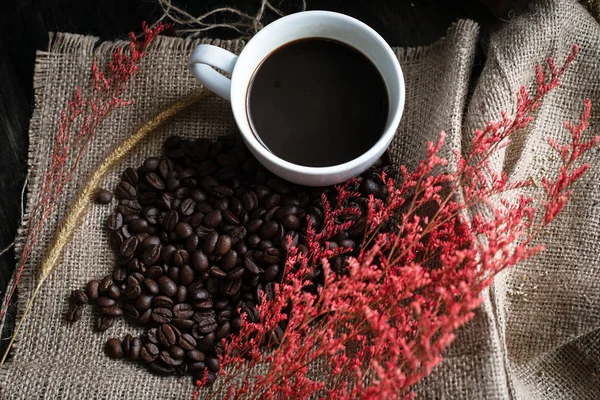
24 25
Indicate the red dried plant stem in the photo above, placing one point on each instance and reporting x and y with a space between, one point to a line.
397 309
77 125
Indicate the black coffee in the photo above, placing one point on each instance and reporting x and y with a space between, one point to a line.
317 102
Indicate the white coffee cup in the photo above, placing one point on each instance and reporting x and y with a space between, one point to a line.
307 24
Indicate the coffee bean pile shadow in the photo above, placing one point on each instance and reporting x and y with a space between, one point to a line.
199 234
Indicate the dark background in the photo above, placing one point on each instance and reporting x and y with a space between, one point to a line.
24 27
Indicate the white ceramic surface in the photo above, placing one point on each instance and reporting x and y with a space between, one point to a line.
305 24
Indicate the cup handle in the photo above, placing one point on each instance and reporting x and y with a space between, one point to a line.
202 62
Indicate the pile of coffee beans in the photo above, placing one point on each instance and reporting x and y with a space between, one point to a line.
199 233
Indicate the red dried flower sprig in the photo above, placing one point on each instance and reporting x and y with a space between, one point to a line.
77 126
379 327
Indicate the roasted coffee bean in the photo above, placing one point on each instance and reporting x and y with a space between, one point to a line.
195 355
230 218
134 349
126 344
221 303
186 275
131 291
271 272
202 305
154 181
162 301
166 335
210 243
291 222
149 353
139 226
286 210
233 287
213 218
176 352
128 207
204 342
191 244
103 196
153 272
170 221
152 335
183 311
223 245
200 261
184 230
143 302
137 276
224 316
114 348
126 232
104 301
112 311
182 294
145 317
253 240
125 191
217 272
116 240
172 272
129 247
236 274
120 274
229 260
254 225
92 289
268 230
212 363
181 257
265 245
151 164
198 195
105 323
79 297
152 254
114 292
204 207
183 324
198 293
166 286
220 191
207 325
272 200
250 264
131 311
75 312
161 315
270 215
222 331
272 255
196 220
237 234
187 342
249 200
131 176
151 214
115 221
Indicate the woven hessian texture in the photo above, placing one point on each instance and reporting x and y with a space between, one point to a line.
536 335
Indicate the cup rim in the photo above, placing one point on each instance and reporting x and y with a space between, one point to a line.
379 146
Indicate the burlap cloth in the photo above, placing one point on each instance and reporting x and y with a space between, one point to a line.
535 337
